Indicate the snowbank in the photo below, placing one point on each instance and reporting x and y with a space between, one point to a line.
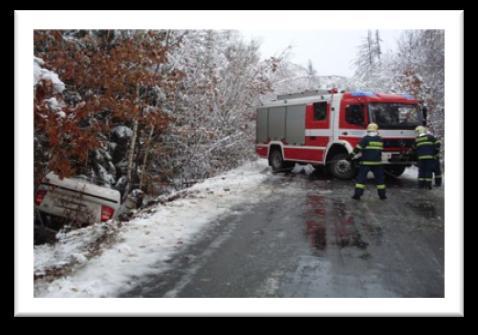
144 244
71 249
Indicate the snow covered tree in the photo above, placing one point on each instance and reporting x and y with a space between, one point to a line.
61 139
114 75
313 79
214 105
417 68
378 48
50 138
368 62
420 64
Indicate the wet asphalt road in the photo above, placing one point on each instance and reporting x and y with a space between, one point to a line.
308 238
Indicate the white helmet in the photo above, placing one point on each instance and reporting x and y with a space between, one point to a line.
421 130
372 127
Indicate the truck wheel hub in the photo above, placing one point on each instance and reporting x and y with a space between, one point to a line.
343 166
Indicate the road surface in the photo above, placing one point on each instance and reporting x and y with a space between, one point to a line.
308 238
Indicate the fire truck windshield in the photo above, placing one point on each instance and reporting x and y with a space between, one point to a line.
394 115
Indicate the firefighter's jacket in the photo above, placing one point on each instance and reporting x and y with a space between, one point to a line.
371 148
427 147
437 149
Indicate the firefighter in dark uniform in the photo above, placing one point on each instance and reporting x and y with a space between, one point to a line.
426 150
371 147
436 164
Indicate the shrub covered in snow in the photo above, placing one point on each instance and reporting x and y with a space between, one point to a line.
40 73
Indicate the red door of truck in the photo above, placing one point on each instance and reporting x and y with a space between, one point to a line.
317 128
353 119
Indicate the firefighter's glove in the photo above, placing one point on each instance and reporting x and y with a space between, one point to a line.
350 156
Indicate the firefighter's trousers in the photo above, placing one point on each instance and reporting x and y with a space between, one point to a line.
379 176
425 173
437 171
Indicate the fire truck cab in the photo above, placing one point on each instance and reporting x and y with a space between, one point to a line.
322 127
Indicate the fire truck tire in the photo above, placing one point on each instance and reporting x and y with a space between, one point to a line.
340 168
277 162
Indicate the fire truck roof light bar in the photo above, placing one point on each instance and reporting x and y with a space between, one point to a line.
363 94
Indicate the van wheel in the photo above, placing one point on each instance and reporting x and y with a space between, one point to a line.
340 168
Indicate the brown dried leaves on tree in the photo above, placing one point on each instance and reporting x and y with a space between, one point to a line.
109 74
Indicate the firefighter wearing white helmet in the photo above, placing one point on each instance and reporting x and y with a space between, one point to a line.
421 130
371 147
372 128
426 149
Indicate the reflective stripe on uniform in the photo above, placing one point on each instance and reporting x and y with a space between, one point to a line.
359 185
421 139
371 163
424 143
425 157
375 144
426 179
374 148
381 187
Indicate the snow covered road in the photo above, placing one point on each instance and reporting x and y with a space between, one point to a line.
143 245
251 233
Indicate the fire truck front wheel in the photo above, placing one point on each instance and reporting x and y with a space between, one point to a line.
394 171
340 168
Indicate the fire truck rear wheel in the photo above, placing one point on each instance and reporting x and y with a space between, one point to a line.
340 168
277 162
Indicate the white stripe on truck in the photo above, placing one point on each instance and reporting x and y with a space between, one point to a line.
318 132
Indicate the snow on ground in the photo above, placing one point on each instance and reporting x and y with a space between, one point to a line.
306 168
144 244
410 173
71 249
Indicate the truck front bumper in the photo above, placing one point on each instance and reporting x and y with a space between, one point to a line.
396 158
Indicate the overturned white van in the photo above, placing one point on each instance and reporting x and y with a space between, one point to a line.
76 200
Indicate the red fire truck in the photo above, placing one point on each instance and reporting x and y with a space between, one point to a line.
322 127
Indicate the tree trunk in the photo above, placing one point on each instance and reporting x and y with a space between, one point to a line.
146 154
130 158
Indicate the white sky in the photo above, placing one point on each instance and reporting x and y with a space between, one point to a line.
331 52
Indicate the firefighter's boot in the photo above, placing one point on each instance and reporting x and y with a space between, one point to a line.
381 194
357 194
437 181
359 188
